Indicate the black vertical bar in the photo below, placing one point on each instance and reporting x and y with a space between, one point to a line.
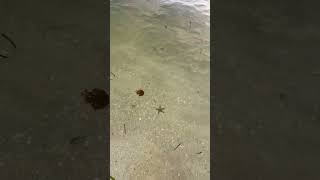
266 110
54 87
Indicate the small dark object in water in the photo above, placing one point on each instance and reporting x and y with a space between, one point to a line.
10 40
113 75
165 26
177 146
140 92
98 98
160 109
199 152
78 140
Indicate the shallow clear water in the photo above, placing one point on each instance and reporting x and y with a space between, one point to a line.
161 47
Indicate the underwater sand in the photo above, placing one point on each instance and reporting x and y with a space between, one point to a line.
163 49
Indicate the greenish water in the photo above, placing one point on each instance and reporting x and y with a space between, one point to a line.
163 48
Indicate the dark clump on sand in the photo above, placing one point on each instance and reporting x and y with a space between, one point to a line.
140 92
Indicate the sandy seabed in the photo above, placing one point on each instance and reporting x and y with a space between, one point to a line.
165 52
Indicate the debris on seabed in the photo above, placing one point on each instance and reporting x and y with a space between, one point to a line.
124 129
113 75
160 109
140 92
177 146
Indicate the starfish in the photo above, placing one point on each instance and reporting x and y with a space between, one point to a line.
160 109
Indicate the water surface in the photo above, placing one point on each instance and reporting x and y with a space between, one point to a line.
161 47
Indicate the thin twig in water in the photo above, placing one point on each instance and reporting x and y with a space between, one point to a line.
9 39
177 146
113 74
124 129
